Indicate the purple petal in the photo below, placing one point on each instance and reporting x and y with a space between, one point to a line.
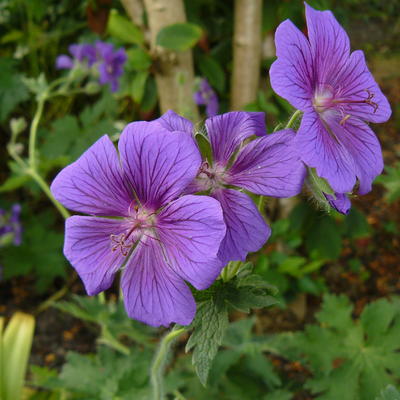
269 166
292 73
171 121
212 106
153 292
341 203
83 52
191 230
159 165
356 84
88 247
330 45
363 145
246 230
64 62
322 150
94 183
227 131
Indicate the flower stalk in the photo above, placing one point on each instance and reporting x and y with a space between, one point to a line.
157 368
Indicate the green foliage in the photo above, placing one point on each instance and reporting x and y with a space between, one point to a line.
391 182
70 136
349 360
123 29
179 37
389 393
209 325
212 70
112 319
40 252
245 292
15 348
103 376
12 90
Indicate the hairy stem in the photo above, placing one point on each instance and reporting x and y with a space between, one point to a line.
157 368
293 119
33 131
246 52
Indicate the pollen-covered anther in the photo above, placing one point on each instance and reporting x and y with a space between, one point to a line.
371 103
118 242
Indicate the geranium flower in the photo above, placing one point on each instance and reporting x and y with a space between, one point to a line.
10 226
337 94
268 166
80 53
111 65
206 96
138 222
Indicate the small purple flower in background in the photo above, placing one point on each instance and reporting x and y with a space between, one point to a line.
159 239
111 65
268 166
338 95
206 96
109 62
81 53
10 226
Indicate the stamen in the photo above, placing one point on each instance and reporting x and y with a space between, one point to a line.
120 244
368 101
344 119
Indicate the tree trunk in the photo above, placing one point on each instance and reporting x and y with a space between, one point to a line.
135 10
246 52
174 70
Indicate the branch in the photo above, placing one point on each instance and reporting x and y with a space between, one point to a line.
246 52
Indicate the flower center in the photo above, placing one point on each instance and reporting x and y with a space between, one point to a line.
326 98
140 222
211 177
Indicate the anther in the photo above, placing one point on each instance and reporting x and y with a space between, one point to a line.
344 119
368 100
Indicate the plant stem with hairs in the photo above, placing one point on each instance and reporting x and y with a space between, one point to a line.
157 368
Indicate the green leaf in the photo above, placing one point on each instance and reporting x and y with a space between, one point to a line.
335 312
138 85
179 37
212 70
12 90
123 29
356 225
138 59
40 252
391 182
209 325
14 182
350 360
15 348
324 238
389 393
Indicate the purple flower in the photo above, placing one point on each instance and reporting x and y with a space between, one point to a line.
159 239
111 65
338 95
82 53
340 202
268 166
10 226
205 95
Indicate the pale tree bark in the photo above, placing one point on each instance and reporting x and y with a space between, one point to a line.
174 70
135 10
246 52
